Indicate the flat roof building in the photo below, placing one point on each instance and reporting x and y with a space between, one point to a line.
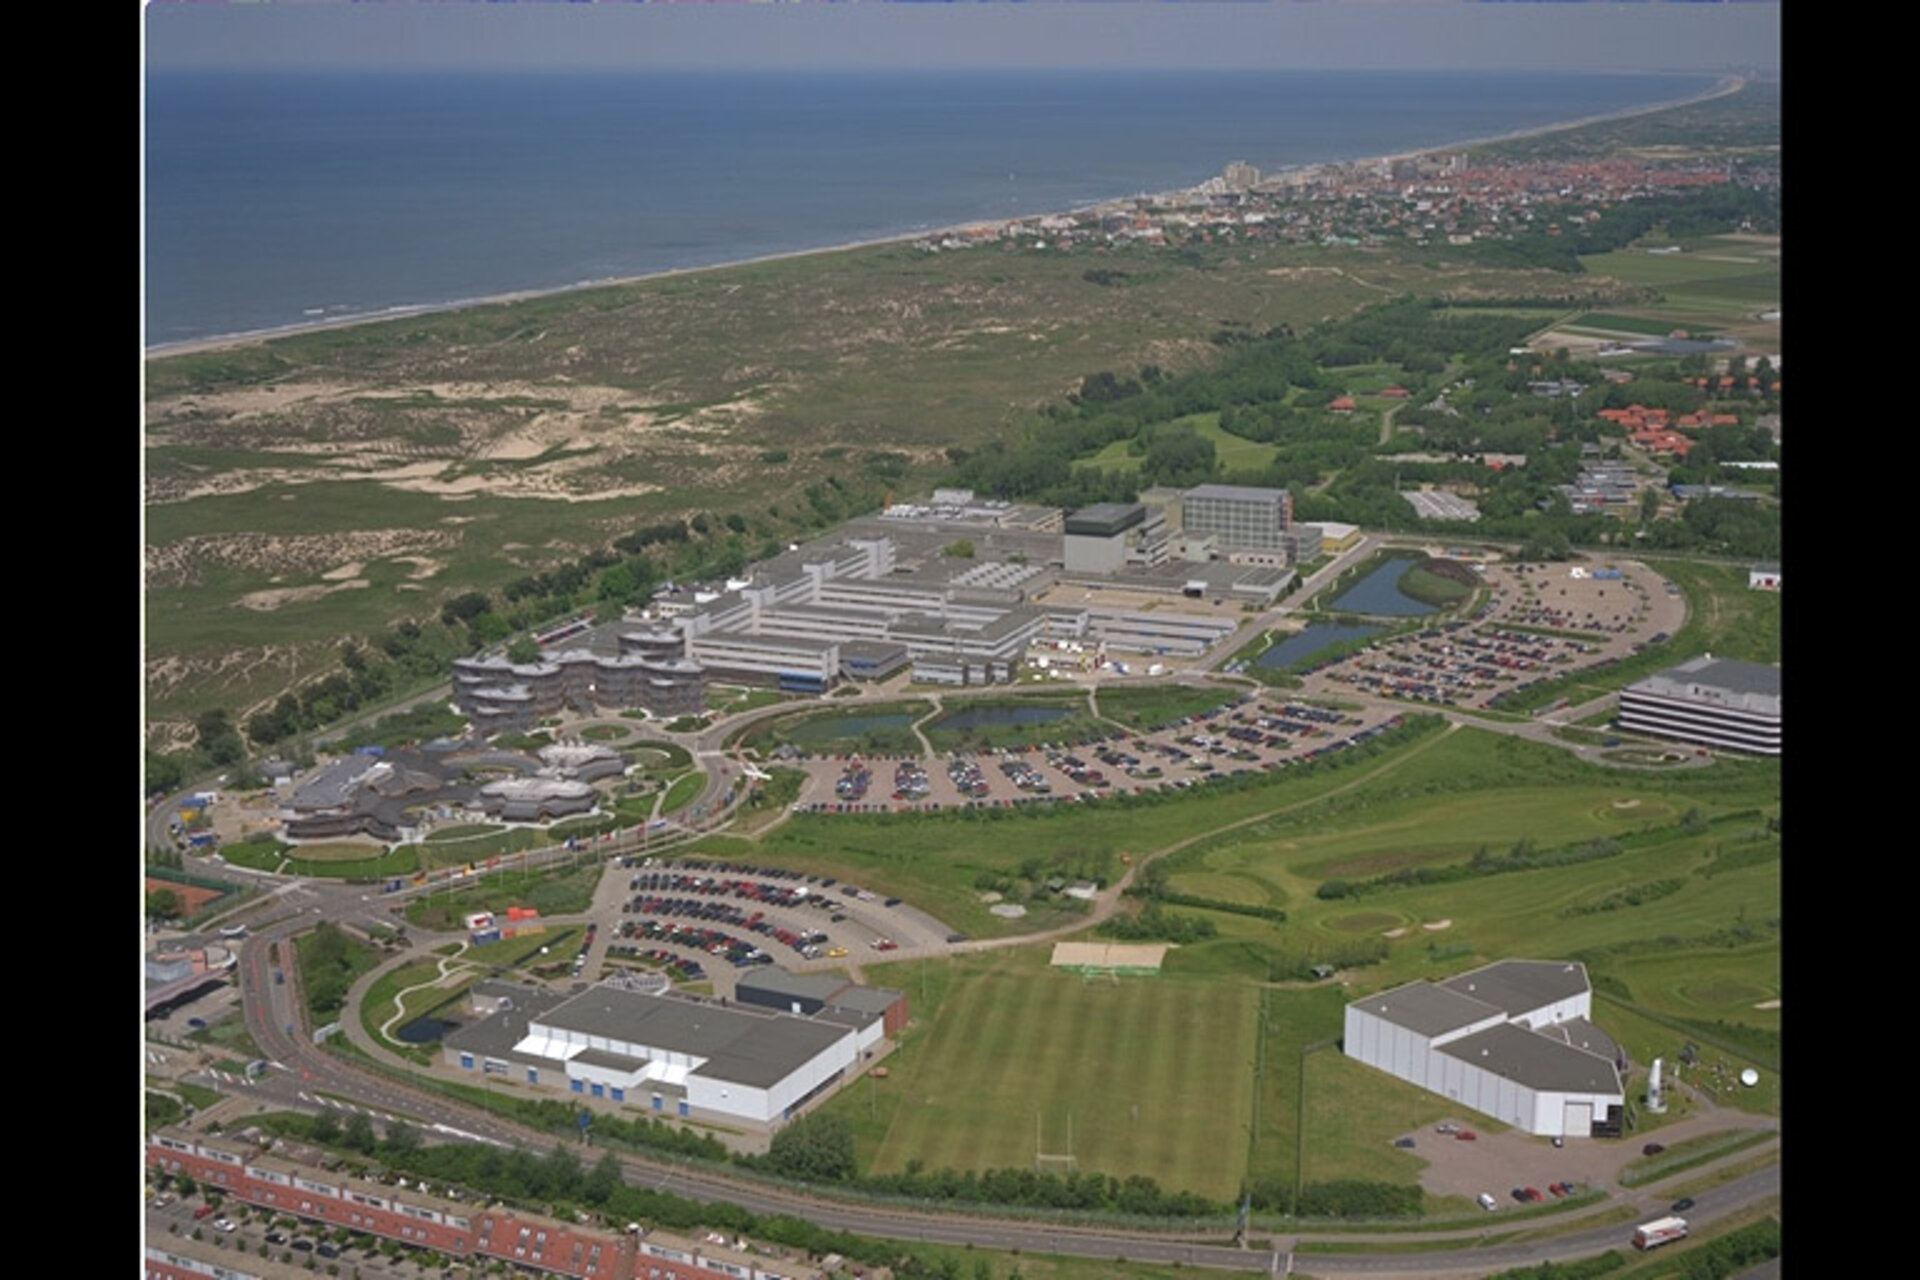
672 1054
1716 701
1242 517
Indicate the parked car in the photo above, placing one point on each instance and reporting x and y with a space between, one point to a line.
203 1211
1487 1202
1683 1204
223 1224
1652 1149
1533 1194
1403 1142
1466 1135
1448 1127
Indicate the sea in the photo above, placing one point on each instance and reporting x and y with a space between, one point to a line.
276 201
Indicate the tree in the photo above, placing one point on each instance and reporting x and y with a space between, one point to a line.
326 1128
402 1138
218 738
358 1135
524 651
603 1181
817 1148
164 772
163 904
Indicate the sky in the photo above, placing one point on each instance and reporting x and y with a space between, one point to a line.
1379 34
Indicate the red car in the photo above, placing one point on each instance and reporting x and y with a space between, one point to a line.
203 1211
1466 1135
1533 1193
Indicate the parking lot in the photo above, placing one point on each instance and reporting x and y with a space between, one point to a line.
1540 622
1249 734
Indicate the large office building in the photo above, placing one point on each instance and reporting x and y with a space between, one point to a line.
1512 1040
652 672
1242 518
1709 700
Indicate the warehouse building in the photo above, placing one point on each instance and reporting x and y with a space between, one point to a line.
673 1054
1513 1041
1715 701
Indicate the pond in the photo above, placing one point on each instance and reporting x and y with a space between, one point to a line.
1301 649
1000 716
1379 592
425 1030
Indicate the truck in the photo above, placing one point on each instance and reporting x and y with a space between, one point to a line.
1651 1235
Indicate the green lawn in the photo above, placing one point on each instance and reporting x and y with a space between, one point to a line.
1153 1074
1234 452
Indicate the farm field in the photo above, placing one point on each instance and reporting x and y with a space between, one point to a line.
1716 283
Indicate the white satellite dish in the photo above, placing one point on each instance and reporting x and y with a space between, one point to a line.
1749 1077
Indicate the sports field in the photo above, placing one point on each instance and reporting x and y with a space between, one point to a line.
1155 1076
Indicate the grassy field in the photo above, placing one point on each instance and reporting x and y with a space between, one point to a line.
1234 452
1144 706
1717 284
1154 1075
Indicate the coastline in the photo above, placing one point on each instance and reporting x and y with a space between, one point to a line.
1727 85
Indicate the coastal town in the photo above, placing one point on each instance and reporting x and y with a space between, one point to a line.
1418 201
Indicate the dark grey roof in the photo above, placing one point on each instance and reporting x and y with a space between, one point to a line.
1582 1034
609 1059
871 1000
872 651
776 981
1534 1060
1427 1009
1104 519
1521 986
735 1042
496 1036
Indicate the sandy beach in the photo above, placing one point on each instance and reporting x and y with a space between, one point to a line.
1727 86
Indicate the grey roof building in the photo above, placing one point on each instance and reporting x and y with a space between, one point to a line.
1716 701
669 1052
1513 1040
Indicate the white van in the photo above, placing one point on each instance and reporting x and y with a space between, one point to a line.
1487 1202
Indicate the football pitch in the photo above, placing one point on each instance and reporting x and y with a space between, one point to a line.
1126 1076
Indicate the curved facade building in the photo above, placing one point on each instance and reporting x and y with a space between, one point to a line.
503 697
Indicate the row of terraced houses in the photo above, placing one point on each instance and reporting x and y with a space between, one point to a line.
253 1175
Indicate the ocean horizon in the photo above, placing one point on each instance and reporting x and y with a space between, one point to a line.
279 201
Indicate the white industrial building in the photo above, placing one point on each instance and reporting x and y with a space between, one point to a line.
1512 1041
668 1053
